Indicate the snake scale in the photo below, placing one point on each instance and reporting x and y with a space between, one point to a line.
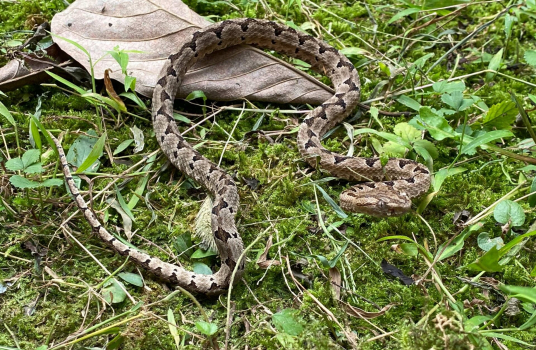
389 191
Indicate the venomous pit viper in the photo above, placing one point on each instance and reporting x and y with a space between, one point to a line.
388 192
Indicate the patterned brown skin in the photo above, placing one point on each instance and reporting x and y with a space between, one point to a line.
403 179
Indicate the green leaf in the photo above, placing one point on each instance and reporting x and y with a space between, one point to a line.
52 182
35 136
443 174
353 51
45 133
391 137
333 261
485 242
15 164
515 242
122 146
527 294
489 333
201 268
196 94
444 86
507 211
393 149
530 322
36 168
437 4
120 107
410 249
457 244
494 64
200 253
206 328
67 82
332 203
420 145
5 112
437 126
403 13
172 324
183 244
385 68
181 118
22 182
532 198
488 262
121 57
501 115
113 293
123 204
407 132
508 21
409 102
285 321
116 342
456 101
72 42
473 323
93 156
30 156
132 278
487 137
133 97
130 83
530 57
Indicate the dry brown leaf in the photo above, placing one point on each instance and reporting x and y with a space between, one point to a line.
111 91
29 69
158 28
262 262
336 280
360 313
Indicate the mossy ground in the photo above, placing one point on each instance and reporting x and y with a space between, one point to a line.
35 310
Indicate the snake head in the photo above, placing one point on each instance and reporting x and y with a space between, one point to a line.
379 200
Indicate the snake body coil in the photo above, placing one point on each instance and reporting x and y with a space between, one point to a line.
402 179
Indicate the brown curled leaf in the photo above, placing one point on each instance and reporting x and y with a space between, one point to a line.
111 92
262 262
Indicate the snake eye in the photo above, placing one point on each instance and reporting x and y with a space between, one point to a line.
381 204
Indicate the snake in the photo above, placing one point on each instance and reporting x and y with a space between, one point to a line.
389 188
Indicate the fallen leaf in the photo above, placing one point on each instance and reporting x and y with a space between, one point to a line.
262 262
335 280
360 313
111 92
157 29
